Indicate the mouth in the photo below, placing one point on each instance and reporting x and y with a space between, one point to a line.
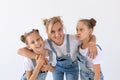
59 38
78 36
37 47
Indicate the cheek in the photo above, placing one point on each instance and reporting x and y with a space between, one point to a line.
30 47
84 35
51 36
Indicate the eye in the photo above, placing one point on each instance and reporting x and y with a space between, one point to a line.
60 29
32 42
38 39
81 29
52 32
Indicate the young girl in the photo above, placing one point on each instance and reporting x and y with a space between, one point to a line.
37 69
90 68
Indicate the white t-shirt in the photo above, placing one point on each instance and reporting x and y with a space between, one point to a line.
29 66
91 62
61 50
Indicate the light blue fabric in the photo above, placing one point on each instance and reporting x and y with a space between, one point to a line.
65 65
41 76
85 72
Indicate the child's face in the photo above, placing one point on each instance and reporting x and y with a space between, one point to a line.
83 31
35 42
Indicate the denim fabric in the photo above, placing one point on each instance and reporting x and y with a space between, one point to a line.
41 76
70 69
65 65
85 72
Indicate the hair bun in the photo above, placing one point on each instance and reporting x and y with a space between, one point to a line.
93 22
45 21
22 38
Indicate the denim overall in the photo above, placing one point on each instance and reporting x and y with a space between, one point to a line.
65 64
41 75
85 72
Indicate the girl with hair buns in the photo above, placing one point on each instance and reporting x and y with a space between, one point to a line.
33 67
65 47
89 68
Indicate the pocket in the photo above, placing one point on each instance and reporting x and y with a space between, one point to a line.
65 61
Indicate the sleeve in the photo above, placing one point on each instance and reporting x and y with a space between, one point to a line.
46 45
98 58
28 65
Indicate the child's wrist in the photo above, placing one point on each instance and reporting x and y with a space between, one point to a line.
36 57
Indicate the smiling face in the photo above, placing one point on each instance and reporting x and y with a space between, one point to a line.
56 33
83 31
35 42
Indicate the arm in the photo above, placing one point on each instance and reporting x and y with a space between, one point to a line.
97 71
27 53
48 67
92 47
33 76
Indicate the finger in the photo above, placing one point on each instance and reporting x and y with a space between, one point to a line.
90 52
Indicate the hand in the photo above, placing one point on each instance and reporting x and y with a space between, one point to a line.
92 50
46 66
40 61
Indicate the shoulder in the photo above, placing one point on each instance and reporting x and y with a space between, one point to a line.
99 49
74 39
27 60
28 64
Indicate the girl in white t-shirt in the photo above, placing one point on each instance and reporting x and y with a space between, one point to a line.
33 67
89 68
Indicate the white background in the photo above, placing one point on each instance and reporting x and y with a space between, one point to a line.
19 16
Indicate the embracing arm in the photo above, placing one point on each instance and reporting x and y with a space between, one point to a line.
92 38
92 47
97 71
27 53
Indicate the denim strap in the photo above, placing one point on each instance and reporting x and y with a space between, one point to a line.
34 62
99 47
51 46
68 44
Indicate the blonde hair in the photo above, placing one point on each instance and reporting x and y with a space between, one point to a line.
24 36
50 22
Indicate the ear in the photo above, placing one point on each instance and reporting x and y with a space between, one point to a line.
90 31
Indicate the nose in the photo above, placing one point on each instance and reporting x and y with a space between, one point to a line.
36 42
78 32
57 34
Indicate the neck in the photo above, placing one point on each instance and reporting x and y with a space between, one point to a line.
85 43
41 52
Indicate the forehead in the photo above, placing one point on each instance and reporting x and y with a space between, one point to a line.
81 24
56 26
33 36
